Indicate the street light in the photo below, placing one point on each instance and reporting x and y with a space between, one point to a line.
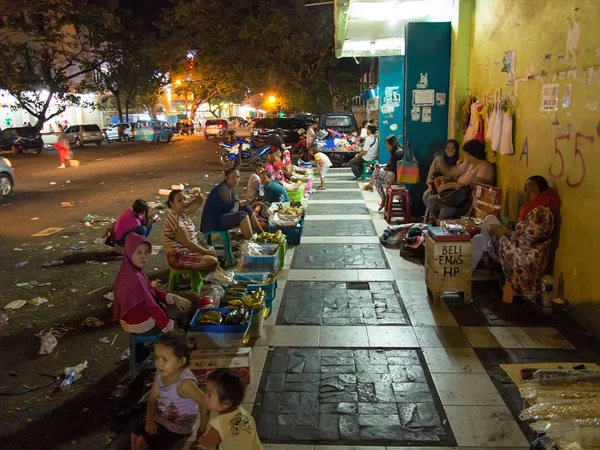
177 82
272 99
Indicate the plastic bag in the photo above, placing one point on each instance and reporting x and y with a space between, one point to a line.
220 276
565 376
48 343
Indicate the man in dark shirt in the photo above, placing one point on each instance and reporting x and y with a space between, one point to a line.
274 192
276 141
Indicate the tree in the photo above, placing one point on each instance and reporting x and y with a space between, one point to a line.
48 55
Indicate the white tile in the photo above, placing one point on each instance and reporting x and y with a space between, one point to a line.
272 319
334 189
427 317
407 274
295 336
252 388
421 448
412 286
471 389
481 337
305 275
337 336
419 300
452 360
380 225
540 337
282 274
265 338
505 337
341 181
345 447
436 337
312 239
375 275
351 240
258 357
287 447
337 217
340 275
480 426
494 448
392 336
337 202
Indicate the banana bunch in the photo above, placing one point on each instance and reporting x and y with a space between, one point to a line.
256 299
271 238
291 210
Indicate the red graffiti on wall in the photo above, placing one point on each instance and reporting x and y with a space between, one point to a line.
577 173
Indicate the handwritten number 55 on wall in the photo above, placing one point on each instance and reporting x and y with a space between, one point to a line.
575 176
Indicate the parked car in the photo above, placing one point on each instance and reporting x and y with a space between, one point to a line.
84 134
340 122
264 128
216 128
7 177
21 138
153 130
112 132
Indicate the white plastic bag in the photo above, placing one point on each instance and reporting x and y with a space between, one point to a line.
48 343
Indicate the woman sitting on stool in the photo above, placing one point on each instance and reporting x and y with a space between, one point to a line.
183 251
223 211
523 253
384 176
140 307
134 220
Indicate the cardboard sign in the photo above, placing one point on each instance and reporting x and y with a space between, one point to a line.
203 362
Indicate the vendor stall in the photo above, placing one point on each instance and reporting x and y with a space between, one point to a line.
340 148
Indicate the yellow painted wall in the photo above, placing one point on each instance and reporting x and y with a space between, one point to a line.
557 42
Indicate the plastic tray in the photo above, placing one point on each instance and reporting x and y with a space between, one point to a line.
293 235
219 336
261 263
269 288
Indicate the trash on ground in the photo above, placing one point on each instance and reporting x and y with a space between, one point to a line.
72 374
104 340
50 247
3 318
37 301
53 263
177 186
35 218
17 249
156 249
99 241
92 322
164 191
109 296
76 247
48 344
47 232
125 355
57 330
93 220
23 284
15 304
120 391
63 204
21 264
53 183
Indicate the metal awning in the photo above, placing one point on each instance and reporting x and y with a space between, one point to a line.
376 27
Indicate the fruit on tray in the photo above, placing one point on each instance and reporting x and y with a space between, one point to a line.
271 238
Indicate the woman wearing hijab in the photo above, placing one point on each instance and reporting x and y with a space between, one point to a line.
523 252
443 167
140 307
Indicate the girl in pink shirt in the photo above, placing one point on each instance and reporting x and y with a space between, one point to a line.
134 220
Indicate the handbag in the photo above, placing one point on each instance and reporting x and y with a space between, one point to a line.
455 196
407 169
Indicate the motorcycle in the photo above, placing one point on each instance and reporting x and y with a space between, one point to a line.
243 153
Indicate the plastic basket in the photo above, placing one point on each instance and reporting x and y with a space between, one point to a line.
269 288
296 196
293 235
218 336
261 263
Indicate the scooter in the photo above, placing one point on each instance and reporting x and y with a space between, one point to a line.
241 153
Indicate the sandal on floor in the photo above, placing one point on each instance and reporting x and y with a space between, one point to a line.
321 189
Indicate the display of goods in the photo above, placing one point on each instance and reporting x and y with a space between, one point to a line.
220 276
253 300
271 238
237 316
295 211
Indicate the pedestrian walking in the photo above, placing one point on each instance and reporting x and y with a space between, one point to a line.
62 145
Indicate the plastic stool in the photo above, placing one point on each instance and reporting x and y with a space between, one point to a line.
398 209
227 250
136 367
366 164
175 279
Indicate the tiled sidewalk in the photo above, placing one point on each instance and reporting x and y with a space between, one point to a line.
355 356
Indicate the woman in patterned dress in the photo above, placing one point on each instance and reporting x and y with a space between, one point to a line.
523 252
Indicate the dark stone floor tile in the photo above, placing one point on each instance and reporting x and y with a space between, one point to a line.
338 195
335 256
315 227
342 209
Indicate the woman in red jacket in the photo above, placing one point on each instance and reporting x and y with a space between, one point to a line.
141 307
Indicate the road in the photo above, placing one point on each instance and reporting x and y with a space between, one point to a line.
108 180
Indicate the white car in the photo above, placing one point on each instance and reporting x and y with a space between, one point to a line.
7 177
112 132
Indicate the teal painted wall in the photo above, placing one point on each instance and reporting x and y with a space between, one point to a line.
391 107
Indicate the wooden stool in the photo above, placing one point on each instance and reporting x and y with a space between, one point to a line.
400 208
227 250
448 263
137 341
175 280
365 174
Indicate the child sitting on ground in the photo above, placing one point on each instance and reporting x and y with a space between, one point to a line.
323 164
232 428
254 190
174 398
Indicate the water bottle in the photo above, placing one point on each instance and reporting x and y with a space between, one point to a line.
65 385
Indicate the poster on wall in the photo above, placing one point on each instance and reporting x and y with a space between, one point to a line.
423 81
426 114
508 65
440 99
566 100
549 97
392 96
425 97
415 114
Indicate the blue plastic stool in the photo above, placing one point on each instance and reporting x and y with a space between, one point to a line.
175 280
134 366
227 250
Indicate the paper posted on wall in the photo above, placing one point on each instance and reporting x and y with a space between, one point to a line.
415 114
426 114
549 97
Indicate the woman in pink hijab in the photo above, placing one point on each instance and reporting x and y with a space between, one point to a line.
140 307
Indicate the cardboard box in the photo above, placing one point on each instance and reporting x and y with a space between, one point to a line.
203 362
